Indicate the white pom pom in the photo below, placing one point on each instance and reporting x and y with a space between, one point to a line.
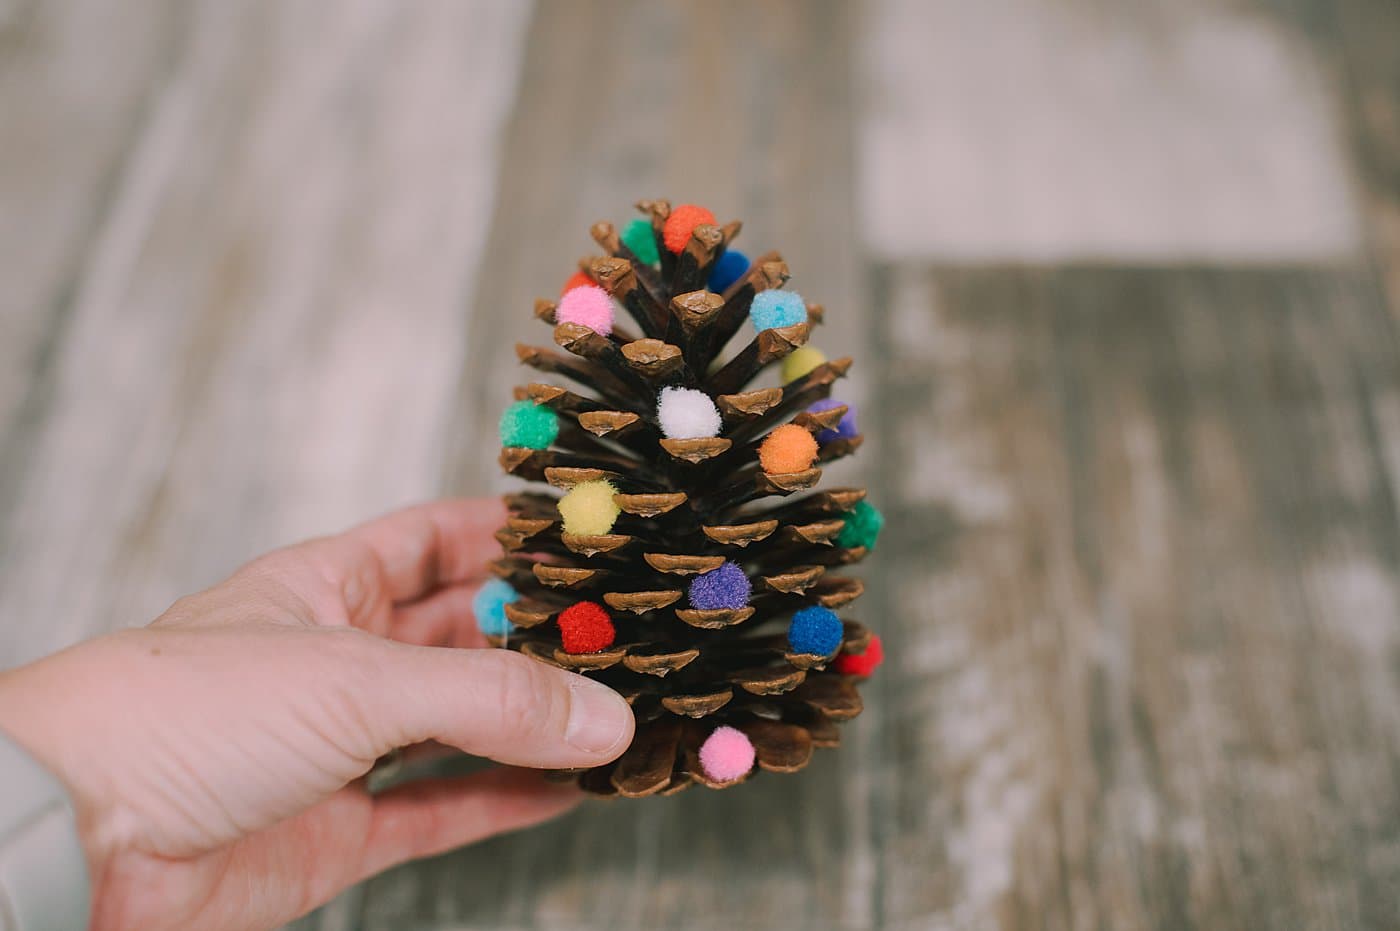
686 413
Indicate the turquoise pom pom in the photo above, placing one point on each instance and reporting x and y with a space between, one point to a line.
489 606
815 629
641 239
528 424
772 309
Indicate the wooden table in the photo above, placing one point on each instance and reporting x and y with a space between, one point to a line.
1139 443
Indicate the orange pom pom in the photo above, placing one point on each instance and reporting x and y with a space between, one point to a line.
789 448
681 223
577 279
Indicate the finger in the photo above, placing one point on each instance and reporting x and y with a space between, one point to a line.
440 543
492 703
433 816
443 619
358 576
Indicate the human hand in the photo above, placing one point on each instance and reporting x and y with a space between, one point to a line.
214 757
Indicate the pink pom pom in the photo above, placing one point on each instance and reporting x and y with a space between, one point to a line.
726 755
587 305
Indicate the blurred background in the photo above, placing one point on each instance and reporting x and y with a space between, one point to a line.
1121 283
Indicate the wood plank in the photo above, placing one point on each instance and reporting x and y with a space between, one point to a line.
1031 130
265 333
1144 565
71 120
744 108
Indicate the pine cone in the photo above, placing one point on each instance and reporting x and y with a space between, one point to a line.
669 568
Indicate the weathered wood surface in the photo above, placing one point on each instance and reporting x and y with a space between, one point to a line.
1137 428
235 268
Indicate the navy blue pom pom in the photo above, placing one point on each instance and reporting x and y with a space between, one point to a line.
816 630
728 268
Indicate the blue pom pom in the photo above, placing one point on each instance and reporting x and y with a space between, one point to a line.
489 606
771 309
815 630
728 268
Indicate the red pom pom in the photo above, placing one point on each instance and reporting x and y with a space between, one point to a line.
586 627
681 223
577 279
862 664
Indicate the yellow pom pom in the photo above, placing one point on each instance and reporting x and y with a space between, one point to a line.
589 509
801 361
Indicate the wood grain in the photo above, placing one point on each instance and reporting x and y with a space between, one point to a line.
1145 581
263 324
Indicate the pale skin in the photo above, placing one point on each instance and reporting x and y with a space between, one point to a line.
215 757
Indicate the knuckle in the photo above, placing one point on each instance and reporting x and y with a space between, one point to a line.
354 690
533 701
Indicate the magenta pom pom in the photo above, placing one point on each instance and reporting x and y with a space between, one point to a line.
845 429
724 588
726 755
587 305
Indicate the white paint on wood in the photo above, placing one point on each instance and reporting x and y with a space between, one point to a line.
1029 130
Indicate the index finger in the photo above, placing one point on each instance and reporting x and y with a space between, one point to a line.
422 548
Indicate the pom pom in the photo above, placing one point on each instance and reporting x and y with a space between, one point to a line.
576 280
586 628
588 508
726 587
638 237
862 527
681 223
588 306
685 413
862 664
845 428
728 268
726 755
528 424
771 309
815 629
800 362
789 448
489 606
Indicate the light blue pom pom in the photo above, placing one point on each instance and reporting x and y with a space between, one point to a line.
771 309
815 629
489 606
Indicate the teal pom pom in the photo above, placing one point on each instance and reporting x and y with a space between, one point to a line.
862 527
489 606
815 630
641 239
772 309
528 424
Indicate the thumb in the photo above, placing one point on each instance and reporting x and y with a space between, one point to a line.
497 704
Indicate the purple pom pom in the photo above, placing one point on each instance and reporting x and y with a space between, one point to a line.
845 429
724 588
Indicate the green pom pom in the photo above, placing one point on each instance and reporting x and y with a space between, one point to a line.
638 237
528 424
862 527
